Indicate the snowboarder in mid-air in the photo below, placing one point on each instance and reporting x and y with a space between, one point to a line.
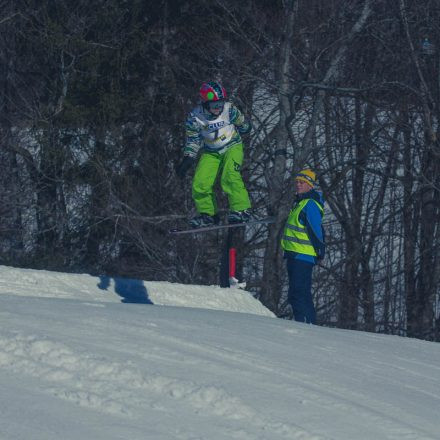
215 127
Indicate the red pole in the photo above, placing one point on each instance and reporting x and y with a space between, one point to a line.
232 256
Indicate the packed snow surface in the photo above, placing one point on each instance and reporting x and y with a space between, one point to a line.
93 358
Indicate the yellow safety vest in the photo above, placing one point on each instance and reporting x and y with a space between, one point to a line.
295 237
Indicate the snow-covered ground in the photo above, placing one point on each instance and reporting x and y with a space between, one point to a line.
92 358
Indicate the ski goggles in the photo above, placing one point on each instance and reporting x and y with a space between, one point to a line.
216 105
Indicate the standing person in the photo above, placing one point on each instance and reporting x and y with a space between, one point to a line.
215 127
303 244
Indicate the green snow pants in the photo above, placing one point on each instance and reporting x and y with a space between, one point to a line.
231 181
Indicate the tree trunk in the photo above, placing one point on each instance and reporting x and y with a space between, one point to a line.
271 285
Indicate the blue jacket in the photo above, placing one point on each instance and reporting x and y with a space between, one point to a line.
311 218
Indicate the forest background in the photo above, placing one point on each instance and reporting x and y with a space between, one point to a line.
93 98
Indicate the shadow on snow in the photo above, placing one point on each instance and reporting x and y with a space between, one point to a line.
130 290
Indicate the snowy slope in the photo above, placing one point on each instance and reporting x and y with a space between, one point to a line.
79 360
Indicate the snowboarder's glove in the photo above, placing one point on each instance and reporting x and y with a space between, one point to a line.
184 166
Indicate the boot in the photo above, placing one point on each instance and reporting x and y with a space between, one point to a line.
201 220
239 216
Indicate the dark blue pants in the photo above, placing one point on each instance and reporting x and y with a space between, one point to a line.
300 290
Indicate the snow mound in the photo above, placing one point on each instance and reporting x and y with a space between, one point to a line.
46 284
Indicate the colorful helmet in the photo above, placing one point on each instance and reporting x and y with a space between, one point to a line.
212 91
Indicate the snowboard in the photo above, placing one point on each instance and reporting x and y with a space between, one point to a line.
222 226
